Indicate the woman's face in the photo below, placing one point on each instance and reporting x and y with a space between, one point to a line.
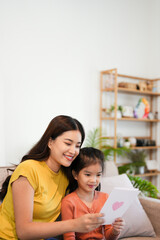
64 149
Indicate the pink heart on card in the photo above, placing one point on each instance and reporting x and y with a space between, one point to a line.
117 205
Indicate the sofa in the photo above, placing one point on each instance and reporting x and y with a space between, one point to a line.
143 216
151 207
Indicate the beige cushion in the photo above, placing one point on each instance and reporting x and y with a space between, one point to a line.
4 172
152 209
137 221
110 169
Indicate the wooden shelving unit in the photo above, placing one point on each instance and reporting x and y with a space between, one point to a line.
148 174
123 90
116 93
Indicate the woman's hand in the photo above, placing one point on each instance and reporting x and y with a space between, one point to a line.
118 226
88 222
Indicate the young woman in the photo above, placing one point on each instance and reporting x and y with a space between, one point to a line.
87 170
37 186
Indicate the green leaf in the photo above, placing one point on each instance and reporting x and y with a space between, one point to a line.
146 187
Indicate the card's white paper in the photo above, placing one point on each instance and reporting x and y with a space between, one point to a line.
117 203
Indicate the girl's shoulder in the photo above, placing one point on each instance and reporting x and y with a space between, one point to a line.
69 201
70 196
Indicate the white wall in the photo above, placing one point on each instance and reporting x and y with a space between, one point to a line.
51 53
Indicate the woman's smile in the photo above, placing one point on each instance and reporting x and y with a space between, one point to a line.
69 157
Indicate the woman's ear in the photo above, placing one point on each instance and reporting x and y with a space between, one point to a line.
74 174
50 143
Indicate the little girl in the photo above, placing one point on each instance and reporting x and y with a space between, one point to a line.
83 198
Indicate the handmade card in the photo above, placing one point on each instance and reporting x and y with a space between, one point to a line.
117 203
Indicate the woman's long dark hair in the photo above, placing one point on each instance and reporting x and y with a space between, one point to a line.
41 151
87 156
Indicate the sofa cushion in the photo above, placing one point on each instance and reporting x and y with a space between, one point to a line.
4 172
137 221
152 209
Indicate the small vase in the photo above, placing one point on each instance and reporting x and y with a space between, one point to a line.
119 114
141 170
127 144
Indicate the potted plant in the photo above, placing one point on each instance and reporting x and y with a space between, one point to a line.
120 108
94 140
127 143
146 187
128 168
137 158
119 111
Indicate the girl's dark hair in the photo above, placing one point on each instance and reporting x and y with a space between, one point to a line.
41 151
87 156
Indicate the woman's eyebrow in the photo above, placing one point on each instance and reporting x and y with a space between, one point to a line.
68 139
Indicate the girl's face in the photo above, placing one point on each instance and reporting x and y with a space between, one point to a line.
89 178
64 149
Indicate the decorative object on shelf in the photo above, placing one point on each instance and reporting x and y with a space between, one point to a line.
151 116
132 141
150 142
127 85
106 111
142 109
109 82
149 85
152 165
127 111
142 86
156 115
120 140
141 169
145 142
154 89
140 142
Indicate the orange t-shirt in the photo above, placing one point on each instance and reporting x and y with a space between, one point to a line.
73 207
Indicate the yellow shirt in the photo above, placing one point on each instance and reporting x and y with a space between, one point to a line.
49 189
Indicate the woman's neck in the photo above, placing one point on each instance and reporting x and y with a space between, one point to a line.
53 165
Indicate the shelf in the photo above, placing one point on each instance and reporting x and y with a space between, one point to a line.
131 119
127 90
111 92
145 147
138 147
149 174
